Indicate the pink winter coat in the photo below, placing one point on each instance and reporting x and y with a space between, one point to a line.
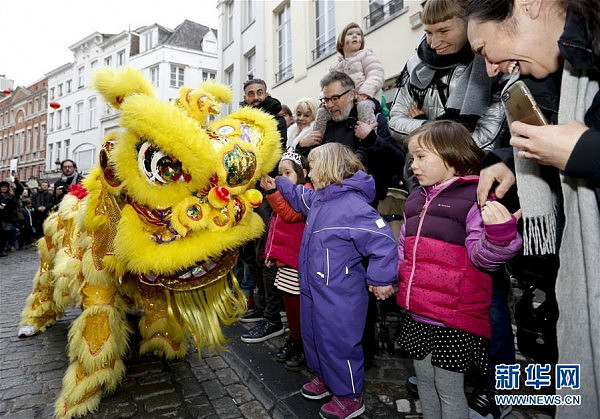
365 69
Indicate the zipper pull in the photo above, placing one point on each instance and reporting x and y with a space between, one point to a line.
422 212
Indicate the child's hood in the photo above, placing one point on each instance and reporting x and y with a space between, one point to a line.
360 182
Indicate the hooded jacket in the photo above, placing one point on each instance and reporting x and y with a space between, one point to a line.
342 229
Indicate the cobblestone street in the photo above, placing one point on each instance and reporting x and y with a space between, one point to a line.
242 382
31 369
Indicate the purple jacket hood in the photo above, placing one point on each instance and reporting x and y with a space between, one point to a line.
359 182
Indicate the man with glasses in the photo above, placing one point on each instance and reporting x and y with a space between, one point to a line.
69 176
372 142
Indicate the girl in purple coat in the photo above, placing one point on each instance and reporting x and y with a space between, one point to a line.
447 247
346 246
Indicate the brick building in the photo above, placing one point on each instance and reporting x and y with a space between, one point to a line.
23 130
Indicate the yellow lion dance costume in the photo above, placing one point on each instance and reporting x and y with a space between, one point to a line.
155 227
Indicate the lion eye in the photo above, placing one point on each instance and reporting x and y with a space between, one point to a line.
157 166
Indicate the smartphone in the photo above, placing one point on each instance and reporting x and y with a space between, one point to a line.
520 105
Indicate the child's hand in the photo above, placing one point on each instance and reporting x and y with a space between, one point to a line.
363 129
268 263
382 292
493 212
267 183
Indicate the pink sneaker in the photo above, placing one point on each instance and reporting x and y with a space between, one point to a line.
343 408
315 389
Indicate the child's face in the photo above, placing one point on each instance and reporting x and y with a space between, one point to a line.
352 40
286 169
428 166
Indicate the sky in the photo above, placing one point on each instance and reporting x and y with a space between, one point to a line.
35 35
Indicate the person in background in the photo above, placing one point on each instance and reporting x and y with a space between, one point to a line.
41 204
282 249
267 298
9 208
342 231
305 112
365 70
286 112
539 38
447 245
25 226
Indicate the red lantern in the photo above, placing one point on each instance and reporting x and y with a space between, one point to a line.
54 105
6 91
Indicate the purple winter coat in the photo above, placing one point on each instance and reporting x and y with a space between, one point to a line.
341 231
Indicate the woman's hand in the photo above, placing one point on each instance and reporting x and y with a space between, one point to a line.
363 129
414 111
311 139
493 212
267 183
498 172
551 145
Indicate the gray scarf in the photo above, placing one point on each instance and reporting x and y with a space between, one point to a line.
471 89
539 203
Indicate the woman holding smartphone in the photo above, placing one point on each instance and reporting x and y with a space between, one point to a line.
538 38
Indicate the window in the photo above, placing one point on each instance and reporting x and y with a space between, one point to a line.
67 116
381 10
29 108
251 63
50 155
208 75
36 104
284 44
80 77
60 91
93 64
58 151
68 86
92 113
229 77
59 119
154 76
150 39
108 61
36 138
324 29
228 22
67 146
51 122
176 76
52 93
248 11
44 104
121 57
80 116
85 159
30 140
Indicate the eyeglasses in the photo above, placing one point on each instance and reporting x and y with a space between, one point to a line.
333 99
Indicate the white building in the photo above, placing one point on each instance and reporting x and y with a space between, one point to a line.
297 44
170 58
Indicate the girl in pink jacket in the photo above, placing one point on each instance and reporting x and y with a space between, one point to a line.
447 247
364 68
282 249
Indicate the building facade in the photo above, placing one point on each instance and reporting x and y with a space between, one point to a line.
23 131
170 58
296 46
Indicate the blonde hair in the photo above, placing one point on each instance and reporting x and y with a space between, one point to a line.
333 162
307 104
339 46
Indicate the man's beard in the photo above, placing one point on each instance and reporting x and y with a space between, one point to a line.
344 114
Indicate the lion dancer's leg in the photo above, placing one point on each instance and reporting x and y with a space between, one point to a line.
162 334
97 344
40 309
